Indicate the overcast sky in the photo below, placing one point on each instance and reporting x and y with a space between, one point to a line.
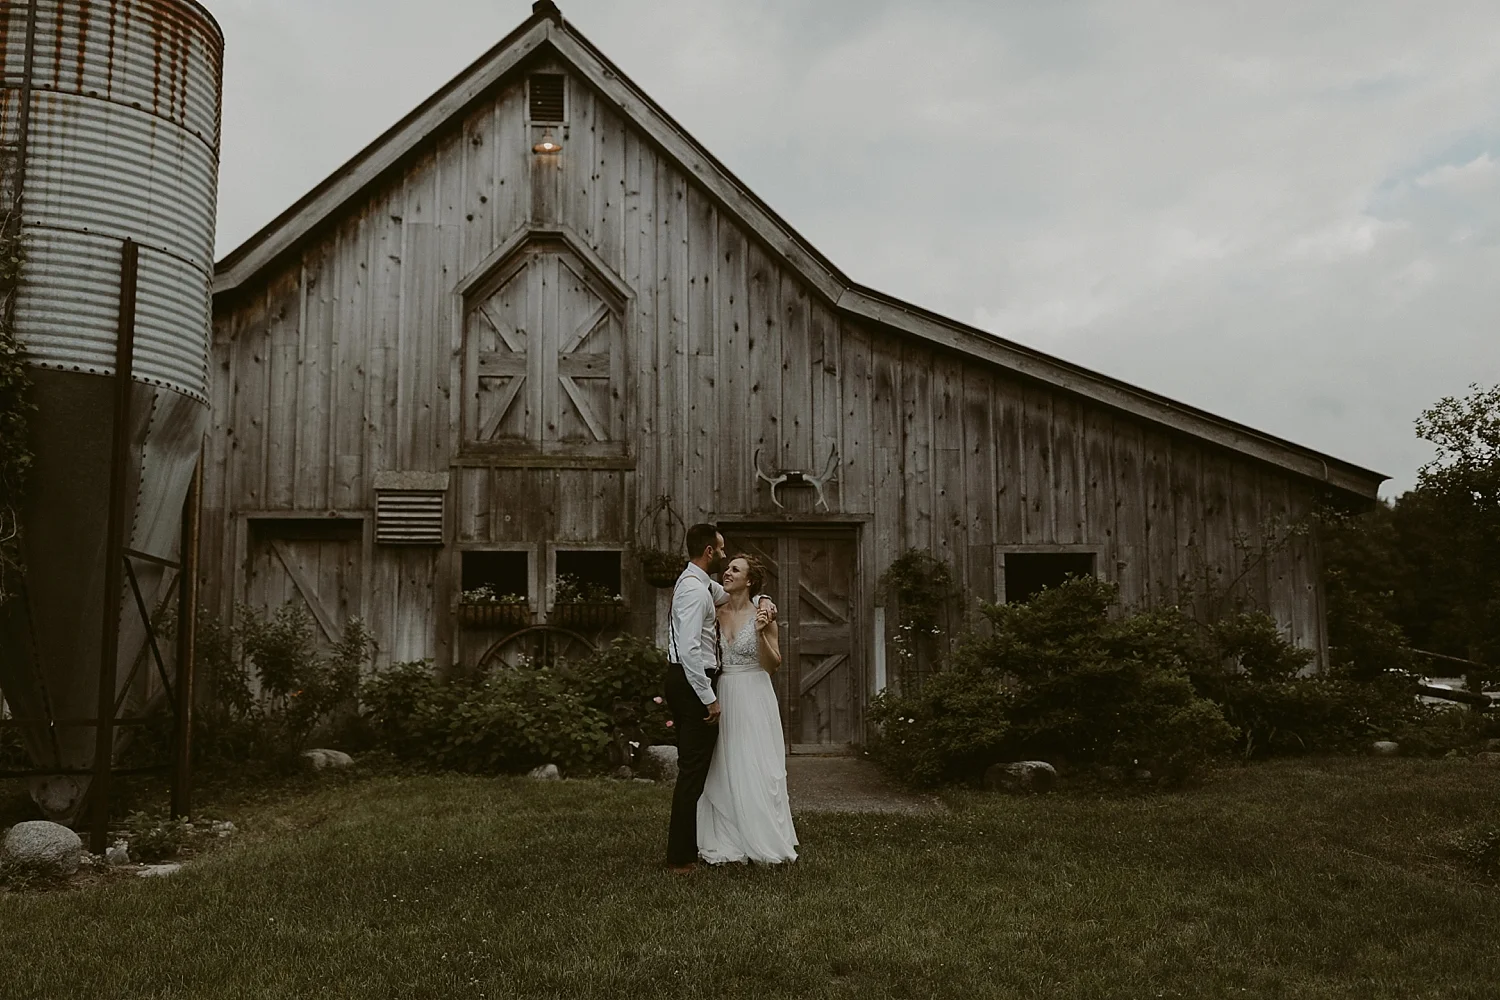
1285 213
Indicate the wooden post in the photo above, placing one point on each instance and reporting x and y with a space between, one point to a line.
187 638
114 552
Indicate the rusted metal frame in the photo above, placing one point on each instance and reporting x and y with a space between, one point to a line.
187 641
28 723
148 557
1450 659
140 604
114 549
81 771
23 124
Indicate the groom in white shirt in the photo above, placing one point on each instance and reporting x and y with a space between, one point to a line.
693 655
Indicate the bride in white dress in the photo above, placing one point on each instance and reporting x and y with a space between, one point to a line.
743 813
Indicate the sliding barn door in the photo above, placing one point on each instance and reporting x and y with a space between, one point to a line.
812 576
315 563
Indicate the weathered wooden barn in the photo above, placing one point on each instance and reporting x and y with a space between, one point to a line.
480 351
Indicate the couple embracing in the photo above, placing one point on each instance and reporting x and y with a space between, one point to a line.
730 802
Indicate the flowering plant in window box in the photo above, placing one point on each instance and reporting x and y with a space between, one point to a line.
482 607
584 606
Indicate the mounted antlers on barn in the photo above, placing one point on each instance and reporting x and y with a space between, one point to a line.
797 477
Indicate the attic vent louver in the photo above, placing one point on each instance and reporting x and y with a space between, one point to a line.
408 517
409 507
547 98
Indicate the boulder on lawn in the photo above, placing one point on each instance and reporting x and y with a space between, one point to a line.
547 772
320 759
40 846
660 763
1385 748
1021 777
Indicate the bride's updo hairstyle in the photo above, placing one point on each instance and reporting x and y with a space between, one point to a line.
755 573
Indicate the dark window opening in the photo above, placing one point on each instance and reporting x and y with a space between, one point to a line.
588 576
299 529
546 92
1027 573
496 574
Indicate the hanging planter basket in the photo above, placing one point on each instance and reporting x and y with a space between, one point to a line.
588 616
659 567
493 615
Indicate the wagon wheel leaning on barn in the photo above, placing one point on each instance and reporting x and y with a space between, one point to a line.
538 645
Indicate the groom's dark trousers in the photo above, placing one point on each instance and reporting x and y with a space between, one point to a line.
695 751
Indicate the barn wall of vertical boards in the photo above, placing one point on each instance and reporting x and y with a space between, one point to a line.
348 358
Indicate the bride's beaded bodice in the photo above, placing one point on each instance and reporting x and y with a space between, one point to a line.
741 651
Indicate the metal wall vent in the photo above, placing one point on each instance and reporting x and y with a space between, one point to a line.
547 98
408 517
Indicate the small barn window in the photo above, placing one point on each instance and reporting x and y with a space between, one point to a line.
590 575
546 92
1027 573
501 574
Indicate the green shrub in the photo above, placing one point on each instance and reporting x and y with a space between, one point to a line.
952 728
1095 690
153 837
517 719
624 681
510 720
1437 730
272 685
1257 677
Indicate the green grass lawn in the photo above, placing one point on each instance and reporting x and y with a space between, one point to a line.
1295 879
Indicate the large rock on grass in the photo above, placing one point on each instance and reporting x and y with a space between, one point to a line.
1385 748
44 847
319 759
547 772
1022 777
660 763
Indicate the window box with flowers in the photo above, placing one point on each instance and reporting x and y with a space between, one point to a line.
585 607
482 608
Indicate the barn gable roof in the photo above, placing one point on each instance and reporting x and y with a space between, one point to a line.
547 30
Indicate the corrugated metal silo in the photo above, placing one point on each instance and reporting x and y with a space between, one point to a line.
121 143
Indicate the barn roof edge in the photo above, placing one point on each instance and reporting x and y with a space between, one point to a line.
545 27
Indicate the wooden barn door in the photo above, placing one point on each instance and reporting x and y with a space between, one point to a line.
317 563
813 576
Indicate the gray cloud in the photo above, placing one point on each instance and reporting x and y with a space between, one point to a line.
1286 214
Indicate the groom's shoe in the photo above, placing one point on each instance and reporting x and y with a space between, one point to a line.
686 869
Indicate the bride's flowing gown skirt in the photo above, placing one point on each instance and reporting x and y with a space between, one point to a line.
744 813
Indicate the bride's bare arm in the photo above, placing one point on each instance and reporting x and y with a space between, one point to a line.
768 640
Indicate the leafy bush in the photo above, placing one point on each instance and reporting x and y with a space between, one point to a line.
1437 730
1101 691
273 687
954 726
624 681
1257 677
155 837
580 715
515 720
